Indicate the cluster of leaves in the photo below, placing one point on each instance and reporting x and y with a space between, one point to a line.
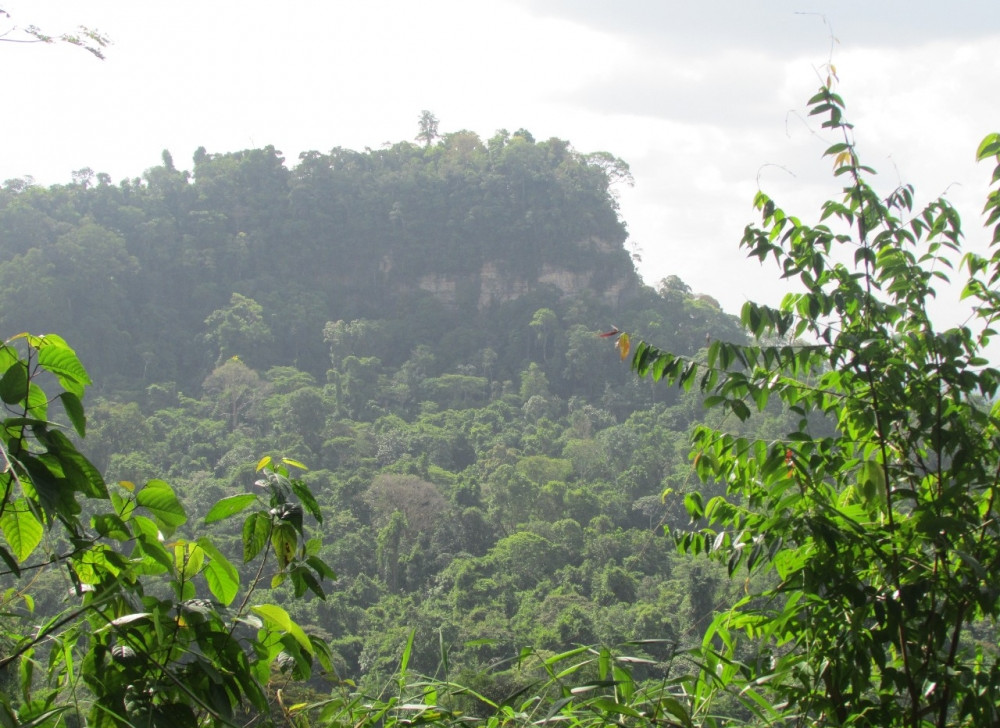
152 634
874 520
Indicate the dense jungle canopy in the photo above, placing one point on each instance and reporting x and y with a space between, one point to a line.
418 324
459 505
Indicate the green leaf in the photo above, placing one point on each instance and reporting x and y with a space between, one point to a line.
229 507
111 526
154 558
404 661
56 356
78 470
74 411
10 561
188 559
610 706
279 619
256 530
21 528
159 499
284 539
308 500
303 579
14 383
48 486
222 577
321 567
989 147
97 563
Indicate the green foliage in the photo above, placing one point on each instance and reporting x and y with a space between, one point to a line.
413 245
151 636
870 530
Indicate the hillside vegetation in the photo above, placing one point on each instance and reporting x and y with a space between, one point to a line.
419 326
458 504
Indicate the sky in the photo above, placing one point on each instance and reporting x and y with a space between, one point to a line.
705 100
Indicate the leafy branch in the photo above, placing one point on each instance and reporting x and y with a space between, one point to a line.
873 524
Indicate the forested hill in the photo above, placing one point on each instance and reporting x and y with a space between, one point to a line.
456 243
418 325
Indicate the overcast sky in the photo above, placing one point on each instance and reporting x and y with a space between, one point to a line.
703 99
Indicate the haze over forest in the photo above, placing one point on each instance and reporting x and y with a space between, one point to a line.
433 335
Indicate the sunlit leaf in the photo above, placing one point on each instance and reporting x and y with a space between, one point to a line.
229 507
56 356
159 499
278 618
21 528
221 576
294 463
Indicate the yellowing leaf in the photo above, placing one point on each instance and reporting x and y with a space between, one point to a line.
623 345
294 463
264 462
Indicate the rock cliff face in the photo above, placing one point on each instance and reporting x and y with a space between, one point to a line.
612 281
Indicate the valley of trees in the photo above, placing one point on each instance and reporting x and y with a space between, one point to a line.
462 505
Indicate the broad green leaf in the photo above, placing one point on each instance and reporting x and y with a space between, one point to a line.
989 147
123 506
111 526
47 485
78 470
302 579
279 619
871 478
159 499
8 355
229 507
21 528
284 539
188 559
222 577
14 383
321 567
38 402
149 547
56 356
97 563
256 530
75 412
